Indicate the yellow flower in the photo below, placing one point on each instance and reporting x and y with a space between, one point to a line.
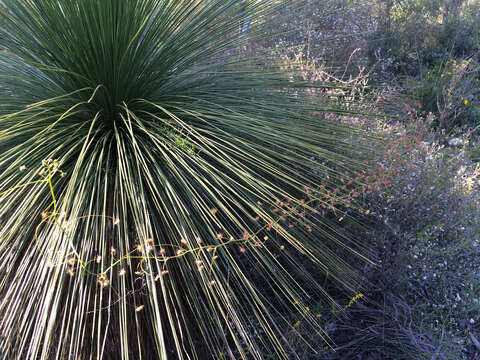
355 298
466 102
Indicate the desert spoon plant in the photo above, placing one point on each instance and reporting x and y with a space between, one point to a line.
159 190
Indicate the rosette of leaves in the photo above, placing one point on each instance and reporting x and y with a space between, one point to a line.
179 215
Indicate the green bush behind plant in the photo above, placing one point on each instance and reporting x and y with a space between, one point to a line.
423 31
450 89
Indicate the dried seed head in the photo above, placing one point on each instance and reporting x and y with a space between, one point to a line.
103 281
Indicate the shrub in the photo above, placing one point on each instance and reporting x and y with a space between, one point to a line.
415 32
430 236
174 212
423 298
451 90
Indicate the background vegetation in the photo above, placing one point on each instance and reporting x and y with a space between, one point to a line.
418 60
237 207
